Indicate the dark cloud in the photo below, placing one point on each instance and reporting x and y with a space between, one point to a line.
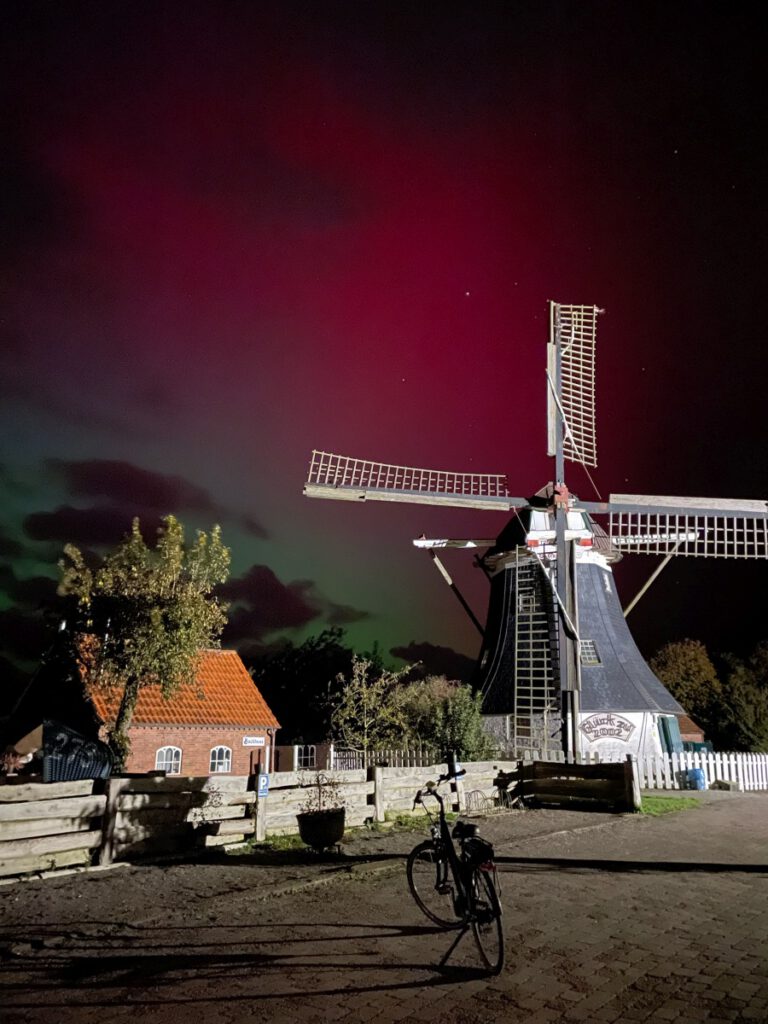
25 628
436 660
33 592
93 526
126 484
136 488
263 604
9 548
344 614
252 526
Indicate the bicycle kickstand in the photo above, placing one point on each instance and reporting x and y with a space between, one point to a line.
453 945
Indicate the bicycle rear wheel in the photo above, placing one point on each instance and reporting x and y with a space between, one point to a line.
431 884
486 920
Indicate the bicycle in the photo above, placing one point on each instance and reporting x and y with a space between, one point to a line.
457 890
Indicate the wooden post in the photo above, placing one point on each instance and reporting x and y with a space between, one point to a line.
460 804
114 788
632 784
376 775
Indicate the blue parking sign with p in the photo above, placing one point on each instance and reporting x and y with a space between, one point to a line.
263 784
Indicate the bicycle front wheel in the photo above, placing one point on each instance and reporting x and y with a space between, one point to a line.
486 920
431 884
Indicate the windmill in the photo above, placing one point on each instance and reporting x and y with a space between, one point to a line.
557 658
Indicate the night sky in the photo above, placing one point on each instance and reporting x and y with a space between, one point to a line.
233 232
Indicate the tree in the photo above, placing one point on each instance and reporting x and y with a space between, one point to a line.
369 709
459 726
300 683
744 719
446 715
685 668
377 707
734 711
149 614
421 700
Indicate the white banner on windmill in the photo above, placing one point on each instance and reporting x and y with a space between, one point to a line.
612 736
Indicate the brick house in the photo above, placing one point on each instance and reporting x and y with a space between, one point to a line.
690 732
218 724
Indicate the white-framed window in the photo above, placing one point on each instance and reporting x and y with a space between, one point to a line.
589 652
307 756
168 759
221 759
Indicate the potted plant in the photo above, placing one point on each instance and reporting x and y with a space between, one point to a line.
10 762
321 813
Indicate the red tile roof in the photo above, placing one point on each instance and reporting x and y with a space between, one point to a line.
689 730
223 694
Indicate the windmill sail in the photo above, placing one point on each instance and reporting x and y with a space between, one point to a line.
427 543
345 478
573 330
696 527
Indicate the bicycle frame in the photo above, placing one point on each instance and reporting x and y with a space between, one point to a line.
458 867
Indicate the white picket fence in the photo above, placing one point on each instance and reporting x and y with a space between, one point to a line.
670 771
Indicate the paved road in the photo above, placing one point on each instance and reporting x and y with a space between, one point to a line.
635 919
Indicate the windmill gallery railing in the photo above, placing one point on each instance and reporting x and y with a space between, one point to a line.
360 475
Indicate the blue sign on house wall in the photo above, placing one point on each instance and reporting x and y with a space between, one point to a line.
263 784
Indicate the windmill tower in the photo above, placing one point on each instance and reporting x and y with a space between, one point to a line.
558 664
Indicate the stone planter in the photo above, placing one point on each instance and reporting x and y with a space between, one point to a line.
321 829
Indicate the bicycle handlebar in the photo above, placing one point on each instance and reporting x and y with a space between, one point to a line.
431 787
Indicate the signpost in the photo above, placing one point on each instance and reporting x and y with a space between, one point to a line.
260 806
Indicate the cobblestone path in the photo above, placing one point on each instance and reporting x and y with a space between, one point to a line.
638 919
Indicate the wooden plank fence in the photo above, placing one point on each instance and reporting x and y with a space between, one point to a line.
46 826
49 826
155 815
612 785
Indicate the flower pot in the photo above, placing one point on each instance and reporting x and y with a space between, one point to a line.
321 829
